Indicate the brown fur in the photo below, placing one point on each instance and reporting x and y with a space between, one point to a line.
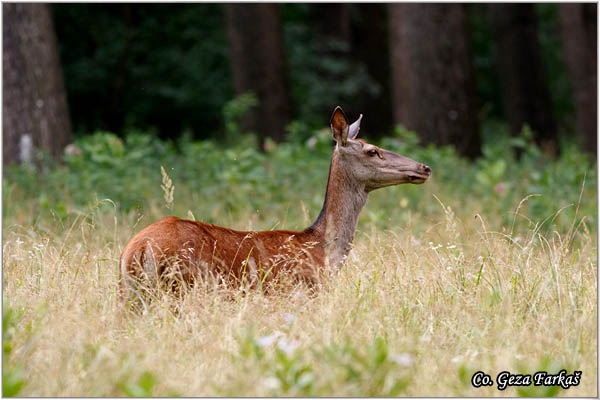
184 250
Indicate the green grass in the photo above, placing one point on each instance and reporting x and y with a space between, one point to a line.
490 265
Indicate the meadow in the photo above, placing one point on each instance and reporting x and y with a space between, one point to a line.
491 265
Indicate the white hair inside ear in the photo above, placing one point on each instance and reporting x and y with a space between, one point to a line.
354 128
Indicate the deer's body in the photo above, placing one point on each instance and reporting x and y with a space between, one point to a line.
186 250
197 248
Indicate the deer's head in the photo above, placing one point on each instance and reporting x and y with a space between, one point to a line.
368 164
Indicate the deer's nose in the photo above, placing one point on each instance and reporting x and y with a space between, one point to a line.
426 169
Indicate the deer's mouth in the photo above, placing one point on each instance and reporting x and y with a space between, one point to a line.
417 178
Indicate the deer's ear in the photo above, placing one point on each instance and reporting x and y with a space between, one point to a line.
339 126
354 128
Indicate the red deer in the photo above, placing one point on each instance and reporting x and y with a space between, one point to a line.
182 250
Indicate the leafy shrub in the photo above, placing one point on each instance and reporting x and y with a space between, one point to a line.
284 369
214 181
545 363
12 371
143 386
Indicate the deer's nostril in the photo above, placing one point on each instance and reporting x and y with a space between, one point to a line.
426 169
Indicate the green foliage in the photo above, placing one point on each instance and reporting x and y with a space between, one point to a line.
214 181
283 369
12 371
485 53
145 66
555 70
535 172
465 373
322 70
111 168
289 371
510 169
234 110
545 363
372 372
166 68
144 386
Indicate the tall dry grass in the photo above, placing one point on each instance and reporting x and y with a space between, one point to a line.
409 314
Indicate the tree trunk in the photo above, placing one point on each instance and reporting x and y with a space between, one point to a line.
34 102
370 46
525 93
115 112
258 65
433 78
331 20
578 29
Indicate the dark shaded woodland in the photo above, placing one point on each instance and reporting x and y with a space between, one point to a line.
442 70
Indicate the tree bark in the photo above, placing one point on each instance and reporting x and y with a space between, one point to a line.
332 20
258 65
34 101
370 46
432 74
578 31
525 94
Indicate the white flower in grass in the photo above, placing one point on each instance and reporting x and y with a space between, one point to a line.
288 346
403 359
434 248
268 340
288 317
272 383
471 354
265 341
457 359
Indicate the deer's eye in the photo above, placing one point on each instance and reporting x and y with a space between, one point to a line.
372 152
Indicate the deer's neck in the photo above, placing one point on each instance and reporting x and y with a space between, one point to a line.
336 224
